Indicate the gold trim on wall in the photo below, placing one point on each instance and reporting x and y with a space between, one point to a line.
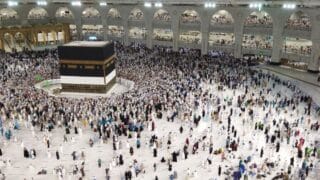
72 66
87 62
89 67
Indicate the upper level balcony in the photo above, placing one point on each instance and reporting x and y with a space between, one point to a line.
10 22
40 21
91 20
161 24
292 56
162 43
222 27
190 44
289 32
256 51
66 20
114 21
257 29
136 23
222 47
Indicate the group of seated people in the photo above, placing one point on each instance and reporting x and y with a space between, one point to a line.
8 16
221 19
138 34
221 42
300 23
64 14
91 14
136 15
162 37
255 20
114 14
92 31
189 39
37 15
221 39
190 18
257 43
162 16
115 31
305 50
296 65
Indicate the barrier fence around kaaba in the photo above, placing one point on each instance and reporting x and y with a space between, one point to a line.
87 66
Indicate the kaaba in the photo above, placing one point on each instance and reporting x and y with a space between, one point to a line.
87 66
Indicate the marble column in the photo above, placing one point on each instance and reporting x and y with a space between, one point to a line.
313 65
277 34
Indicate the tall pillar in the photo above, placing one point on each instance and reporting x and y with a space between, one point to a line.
78 24
277 32
104 27
313 65
204 42
205 22
175 30
149 27
238 34
205 35
126 32
1 41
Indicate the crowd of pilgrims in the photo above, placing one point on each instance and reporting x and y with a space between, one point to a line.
181 88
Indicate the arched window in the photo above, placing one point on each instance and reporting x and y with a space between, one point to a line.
190 16
37 13
114 13
299 20
90 12
222 17
162 15
136 14
64 12
8 13
259 18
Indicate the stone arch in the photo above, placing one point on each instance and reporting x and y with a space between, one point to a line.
162 15
64 12
19 36
114 13
8 13
299 20
190 16
8 39
8 35
90 12
259 18
222 17
37 13
136 14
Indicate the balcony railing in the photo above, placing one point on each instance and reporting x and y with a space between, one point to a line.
192 45
222 47
297 33
162 43
257 51
39 21
91 20
10 22
296 56
257 29
114 21
65 20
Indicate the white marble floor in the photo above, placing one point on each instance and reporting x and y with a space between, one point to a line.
20 167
